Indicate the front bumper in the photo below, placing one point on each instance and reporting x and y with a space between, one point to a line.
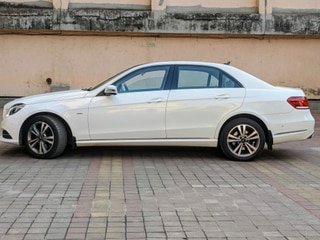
11 141
12 126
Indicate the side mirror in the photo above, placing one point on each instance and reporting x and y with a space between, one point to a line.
111 90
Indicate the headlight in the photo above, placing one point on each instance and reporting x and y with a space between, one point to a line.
15 108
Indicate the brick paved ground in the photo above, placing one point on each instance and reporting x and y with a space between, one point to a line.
161 193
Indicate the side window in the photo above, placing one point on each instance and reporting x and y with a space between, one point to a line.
203 77
151 79
228 82
214 79
192 79
197 77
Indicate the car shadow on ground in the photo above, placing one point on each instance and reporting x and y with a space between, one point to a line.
152 153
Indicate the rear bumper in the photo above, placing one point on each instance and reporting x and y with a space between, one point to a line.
294 126
292 136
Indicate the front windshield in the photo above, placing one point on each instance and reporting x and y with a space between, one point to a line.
104 82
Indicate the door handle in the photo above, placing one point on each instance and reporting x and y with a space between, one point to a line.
155 100
222 96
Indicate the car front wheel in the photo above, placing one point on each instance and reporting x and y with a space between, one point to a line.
46 137
242 139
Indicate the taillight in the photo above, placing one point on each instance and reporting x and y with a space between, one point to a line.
299 102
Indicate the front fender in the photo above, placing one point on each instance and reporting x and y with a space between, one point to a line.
73 112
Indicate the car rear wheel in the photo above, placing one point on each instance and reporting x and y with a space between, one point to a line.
242 139
46 137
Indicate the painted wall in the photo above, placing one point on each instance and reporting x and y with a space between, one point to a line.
110 3
293 5
213 4
81 61
142 2
162 4
26 1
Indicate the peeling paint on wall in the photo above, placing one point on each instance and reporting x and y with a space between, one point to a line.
21 17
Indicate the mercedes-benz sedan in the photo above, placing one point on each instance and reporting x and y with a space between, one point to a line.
163 104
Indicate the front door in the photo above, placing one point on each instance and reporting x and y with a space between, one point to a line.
137 111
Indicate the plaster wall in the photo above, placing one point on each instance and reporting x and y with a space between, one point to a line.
142 2
123 4
213 4
297 5
81 61
26 1
40 3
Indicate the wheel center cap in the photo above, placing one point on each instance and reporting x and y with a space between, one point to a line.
243 139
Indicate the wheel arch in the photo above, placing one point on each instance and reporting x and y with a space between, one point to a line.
266 130
23 130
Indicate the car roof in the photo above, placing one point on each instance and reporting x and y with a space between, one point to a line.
200 63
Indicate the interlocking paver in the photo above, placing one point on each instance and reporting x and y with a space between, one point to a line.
161 193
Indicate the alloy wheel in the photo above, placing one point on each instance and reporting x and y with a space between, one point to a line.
243 140
40 138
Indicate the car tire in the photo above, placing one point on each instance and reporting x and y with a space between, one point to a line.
45 137
242 139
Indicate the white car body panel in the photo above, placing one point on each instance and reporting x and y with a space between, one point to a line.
192 113
180 118
138 115
49 97
71 106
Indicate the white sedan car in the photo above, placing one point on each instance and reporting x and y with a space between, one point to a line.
163 104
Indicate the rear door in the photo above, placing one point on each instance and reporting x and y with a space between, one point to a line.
199 98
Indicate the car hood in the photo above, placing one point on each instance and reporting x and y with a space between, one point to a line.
49 97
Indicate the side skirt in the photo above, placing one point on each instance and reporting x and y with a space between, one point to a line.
151 142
